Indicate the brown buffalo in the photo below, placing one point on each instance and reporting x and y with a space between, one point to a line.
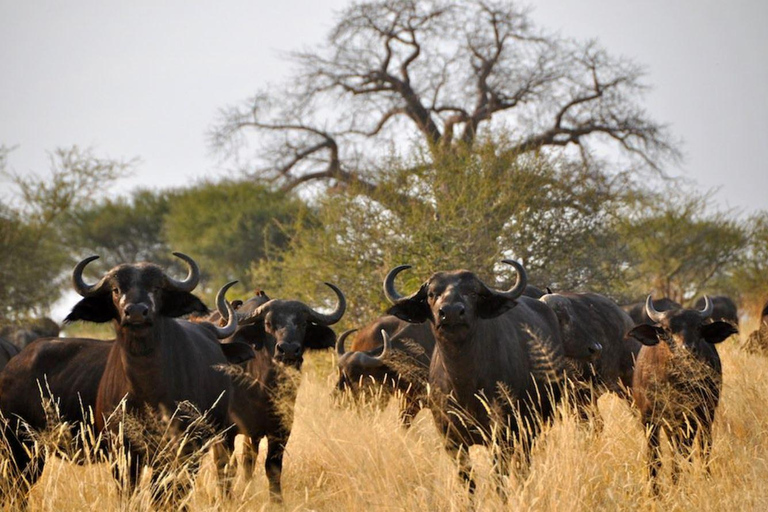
265 391
594 329
372 369
757 342
678 379
155 363
494 374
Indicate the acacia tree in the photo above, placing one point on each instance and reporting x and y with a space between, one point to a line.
438 73
679 248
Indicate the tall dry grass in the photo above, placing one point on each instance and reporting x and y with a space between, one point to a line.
342 459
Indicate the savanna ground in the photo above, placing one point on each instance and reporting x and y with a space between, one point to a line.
340 459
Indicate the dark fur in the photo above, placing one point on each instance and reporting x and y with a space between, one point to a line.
359 370
725 309
155 364
7 351
587 319
678 381
265 393
494 356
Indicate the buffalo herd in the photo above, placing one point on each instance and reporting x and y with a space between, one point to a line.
491 365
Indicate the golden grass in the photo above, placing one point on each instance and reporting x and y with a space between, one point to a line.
342 459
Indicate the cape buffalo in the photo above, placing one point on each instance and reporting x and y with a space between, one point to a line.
637 312
495 371
155 363
24 333
594 329
265 391
757 342
724 309
369 368
7 351
678 378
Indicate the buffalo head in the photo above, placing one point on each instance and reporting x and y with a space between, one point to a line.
359 371
288 327
453 301
685 330
134 295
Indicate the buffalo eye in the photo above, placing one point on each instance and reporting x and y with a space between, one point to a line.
116 291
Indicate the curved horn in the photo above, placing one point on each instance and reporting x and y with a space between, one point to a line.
651 311
340 342
389 284
336 315
520 283
708 308
387 346
227 312
81 287
192 279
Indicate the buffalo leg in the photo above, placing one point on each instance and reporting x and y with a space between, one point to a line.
460 453
408 412
24 471
250 454
501 461
222 452
654 454
274 465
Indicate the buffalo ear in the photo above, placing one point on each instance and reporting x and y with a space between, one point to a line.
252 334
413 309
717 331
491 306
176 303
319 337
237 352
98 309
646 334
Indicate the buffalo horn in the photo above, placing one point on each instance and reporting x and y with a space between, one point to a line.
83 288
520 283
193 277
340 342
651 311
708 308
387 346
227 312
389 284
336 315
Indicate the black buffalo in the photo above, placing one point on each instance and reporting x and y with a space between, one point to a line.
264 395
678 379
155 363
637 312
723 309
594 329
494 374
24 333
370 368
7 351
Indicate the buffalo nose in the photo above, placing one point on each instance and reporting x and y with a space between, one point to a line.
452 312
288 351
136 313
595 349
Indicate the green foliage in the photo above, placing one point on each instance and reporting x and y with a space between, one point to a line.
679 249
121 230
34 234
228 225
751 276
470 210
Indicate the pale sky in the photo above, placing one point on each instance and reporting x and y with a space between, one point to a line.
146 78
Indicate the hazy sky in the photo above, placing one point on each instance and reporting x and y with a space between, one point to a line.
146 78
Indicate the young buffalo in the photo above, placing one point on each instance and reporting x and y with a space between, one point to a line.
678 379
265 390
